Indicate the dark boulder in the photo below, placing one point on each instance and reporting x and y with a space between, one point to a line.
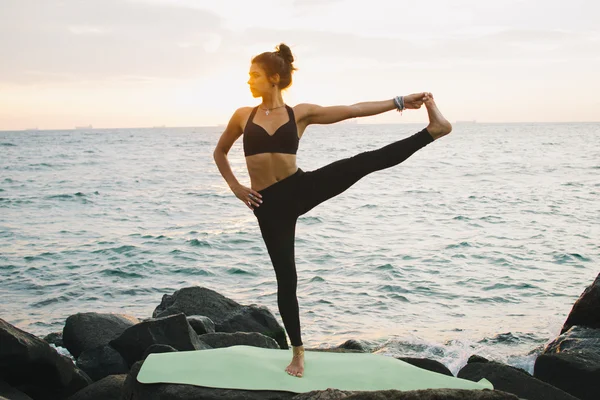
201 324
101 362
586 310
30 365
512 380
433 394
173 330
228 315
425 363
572 363
86 331
8 392
55 338
107 388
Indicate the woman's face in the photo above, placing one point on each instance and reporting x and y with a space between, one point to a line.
258 82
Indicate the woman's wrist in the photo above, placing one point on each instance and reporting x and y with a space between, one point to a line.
399 102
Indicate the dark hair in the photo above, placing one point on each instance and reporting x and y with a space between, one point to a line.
278 62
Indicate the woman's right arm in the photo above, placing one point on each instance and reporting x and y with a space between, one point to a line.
232 132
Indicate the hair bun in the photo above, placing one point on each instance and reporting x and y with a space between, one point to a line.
285 52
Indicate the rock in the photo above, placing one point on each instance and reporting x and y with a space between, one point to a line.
477 359
512 380
576 339
572 363
425 363
575 374
327 394
108 388
434 394
173 330
54 338
254 319
101 362
8 392
201 324
86 331
219 340
586 310
228 315
158 348
353 345
196 300
30 365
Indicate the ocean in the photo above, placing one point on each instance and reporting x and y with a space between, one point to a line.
479 243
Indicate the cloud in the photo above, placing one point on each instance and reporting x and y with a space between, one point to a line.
507 45
178 39
88 30
302 3
94 39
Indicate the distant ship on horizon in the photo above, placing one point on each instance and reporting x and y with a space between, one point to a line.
84 127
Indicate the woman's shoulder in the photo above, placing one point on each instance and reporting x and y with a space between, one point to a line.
241 116
242 113
301 110
244 110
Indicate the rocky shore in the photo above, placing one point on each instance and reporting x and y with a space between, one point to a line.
109 350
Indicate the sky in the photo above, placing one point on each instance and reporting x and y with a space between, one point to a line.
143 63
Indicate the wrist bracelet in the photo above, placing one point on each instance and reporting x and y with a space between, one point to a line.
399 101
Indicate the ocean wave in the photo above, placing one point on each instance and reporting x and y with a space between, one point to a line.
199 243
498 286
119 250
118 272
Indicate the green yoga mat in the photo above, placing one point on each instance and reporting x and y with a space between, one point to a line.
255 368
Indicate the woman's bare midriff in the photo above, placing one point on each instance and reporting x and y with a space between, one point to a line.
266 169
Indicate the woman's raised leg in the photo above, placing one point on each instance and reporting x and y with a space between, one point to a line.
329 181
332 179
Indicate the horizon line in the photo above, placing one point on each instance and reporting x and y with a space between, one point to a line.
460 122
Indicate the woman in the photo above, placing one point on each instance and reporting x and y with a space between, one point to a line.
280 191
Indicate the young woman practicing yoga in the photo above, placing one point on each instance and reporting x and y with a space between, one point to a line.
280 191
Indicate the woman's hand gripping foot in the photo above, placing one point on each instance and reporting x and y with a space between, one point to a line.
296 367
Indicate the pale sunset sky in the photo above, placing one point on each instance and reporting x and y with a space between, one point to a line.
142 63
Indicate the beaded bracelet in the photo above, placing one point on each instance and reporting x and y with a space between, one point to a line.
399 101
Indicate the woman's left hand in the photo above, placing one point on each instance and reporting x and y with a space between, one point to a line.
415 101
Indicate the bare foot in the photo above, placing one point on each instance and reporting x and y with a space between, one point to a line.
296 367
438 125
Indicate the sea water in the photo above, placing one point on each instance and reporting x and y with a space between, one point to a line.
479 243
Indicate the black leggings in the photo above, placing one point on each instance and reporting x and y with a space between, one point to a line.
286 200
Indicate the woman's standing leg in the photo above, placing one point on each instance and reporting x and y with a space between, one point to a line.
278 233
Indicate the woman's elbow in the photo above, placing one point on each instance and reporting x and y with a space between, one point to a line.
220 153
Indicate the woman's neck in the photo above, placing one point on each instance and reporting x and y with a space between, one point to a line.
272 101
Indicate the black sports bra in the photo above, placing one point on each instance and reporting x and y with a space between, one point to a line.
284 140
